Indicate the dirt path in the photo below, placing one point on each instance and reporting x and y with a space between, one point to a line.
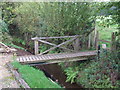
7 80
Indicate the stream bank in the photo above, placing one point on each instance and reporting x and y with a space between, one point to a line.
52 71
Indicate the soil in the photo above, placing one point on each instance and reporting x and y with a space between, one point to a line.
7 80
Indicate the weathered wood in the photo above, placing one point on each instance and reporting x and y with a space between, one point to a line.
59 57
5 48
95 35
18 76
77 44
51 62
96 40
58 45
104 41
113 44
38 38
89 41
52 44
36 47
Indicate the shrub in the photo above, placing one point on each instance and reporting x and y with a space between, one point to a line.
102 73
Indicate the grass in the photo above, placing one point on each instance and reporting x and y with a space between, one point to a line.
35 78
105 33
15 46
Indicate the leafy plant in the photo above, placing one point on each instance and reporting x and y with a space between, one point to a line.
4 33
101 73
71 74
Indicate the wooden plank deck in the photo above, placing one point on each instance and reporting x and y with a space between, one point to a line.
55 57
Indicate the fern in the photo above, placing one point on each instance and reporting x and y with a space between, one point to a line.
71 74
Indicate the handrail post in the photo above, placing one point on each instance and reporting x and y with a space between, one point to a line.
96 40
89 41
36 47
77 44
113 44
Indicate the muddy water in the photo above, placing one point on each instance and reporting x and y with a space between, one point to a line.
54 72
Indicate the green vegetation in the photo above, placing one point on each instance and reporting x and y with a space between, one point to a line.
4 32
71 74
100 73
105 33
15 46
106 25
35 78
19 22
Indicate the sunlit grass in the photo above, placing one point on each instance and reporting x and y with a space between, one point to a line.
105 33
35 78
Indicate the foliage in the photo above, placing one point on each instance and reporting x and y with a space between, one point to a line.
105 21
15 46
53 19
105 33
7 12
19 40
71 74
4 32
35 78
102 73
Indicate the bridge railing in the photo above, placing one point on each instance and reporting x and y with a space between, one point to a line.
74 39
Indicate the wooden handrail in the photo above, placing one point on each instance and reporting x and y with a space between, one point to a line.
41 39
104 41
58 45
52 44
38 38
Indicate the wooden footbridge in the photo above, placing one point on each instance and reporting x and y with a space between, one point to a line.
55 58
72 54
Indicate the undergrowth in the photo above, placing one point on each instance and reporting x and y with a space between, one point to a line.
15 46
101 73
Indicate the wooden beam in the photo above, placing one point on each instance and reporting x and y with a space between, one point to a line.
18 76
59 45
89 41
96 40
113 44
36 47
38 38
77 44
52 44
104 41
58 61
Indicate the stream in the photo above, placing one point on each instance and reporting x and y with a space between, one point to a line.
55 72
52 71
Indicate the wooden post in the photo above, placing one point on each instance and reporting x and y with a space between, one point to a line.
95 35
36 47
104 46
113 44
96 40
89 41
77 44
1 34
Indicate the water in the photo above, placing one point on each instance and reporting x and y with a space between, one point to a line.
55 72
